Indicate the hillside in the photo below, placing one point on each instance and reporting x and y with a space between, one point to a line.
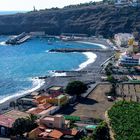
94 19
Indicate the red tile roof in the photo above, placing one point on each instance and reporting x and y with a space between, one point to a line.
9 117
55 134
6 121
72 132
44 106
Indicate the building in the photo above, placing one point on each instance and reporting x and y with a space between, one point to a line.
26 101
57 121
123 3
43 112
42 133
55 91
7 120
122 39
59 100
56 100
53 128
129 60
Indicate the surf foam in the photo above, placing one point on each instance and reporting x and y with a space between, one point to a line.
91 43
37 84
91 57
53 73
3 43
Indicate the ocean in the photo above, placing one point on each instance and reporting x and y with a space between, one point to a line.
11 12
21 64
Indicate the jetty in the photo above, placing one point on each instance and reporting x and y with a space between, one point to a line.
67 50
21 38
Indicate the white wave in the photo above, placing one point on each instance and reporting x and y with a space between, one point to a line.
53 73
37 84
91 57
91 43
3 43
47 51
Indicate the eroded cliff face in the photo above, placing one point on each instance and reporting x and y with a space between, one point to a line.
101 19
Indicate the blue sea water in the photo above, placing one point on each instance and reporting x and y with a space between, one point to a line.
11 12
20 63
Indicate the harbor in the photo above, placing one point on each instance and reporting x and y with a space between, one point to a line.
21 38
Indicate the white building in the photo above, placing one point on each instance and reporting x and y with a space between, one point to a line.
122 39
123 3
129 60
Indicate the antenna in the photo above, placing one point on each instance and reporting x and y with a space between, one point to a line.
34 8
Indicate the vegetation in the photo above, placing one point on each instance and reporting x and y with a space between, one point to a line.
76 88
125 120
91 19
101 132
22 125
113 82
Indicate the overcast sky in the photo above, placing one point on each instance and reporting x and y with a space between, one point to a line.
27 5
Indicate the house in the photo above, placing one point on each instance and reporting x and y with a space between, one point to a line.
26 101
40 99
57 121
7 120
55 91
42 112
43 132
59 100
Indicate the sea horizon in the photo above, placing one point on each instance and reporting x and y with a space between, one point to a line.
11 12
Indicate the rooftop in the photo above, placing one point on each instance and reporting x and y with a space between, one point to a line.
55 88
15 114
6 121
60 96
56 134
9 118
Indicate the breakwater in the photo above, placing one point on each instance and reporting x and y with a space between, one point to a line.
67 50
21 38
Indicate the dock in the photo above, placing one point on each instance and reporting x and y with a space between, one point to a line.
21 38
68 50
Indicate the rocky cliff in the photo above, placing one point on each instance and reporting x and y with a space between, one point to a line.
92 20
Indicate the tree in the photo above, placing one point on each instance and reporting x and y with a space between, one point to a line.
101 132
19 126
111 79
76 88
22 125
113 82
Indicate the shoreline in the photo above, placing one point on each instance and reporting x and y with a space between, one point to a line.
92 43
88 64
39 84
91 57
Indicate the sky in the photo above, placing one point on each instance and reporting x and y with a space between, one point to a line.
27 5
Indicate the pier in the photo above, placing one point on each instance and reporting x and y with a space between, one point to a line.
21 38
67 50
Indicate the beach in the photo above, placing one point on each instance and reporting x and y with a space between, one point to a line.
88 71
